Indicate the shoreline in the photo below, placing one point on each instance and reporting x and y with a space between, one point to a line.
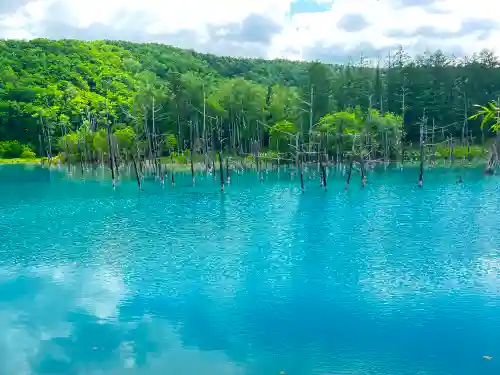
20 161
200 166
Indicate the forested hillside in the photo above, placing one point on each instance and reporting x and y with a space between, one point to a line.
52 88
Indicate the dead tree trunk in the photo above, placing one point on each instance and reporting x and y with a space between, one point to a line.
136 172
465 124
362 167
402 154
81 155
40 147
434 148
116 156
452 151
205 138
349 175
48 143
221 170
110 154
191 153
299 156
193 180
228 175
213 139
490 167
323 172
311 119
421 176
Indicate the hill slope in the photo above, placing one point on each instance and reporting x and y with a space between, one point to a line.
61 83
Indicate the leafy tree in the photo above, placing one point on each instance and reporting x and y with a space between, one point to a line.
490 114
125 138
28 153
71 93
11 149
282 134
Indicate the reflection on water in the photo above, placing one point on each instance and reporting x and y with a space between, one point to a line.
387 280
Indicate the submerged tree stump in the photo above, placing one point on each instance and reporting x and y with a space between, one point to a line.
349 175
221 169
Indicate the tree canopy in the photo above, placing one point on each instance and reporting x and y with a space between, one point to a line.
63 87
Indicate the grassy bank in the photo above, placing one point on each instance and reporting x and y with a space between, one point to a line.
180 164
20 161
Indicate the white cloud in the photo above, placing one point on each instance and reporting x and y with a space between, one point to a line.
63 309
344 28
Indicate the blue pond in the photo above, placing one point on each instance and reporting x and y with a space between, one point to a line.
390 279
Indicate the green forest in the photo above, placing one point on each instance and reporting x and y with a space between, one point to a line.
66 96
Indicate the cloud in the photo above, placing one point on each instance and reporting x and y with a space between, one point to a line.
352 22
10 6
484 27
298 29
254 29
250 36
340 54
467 27
414 3
425 31
430 6
47 296
423 45
75 327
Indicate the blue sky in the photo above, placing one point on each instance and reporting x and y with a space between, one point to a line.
308 6
329 30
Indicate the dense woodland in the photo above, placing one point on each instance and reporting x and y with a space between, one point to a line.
67 96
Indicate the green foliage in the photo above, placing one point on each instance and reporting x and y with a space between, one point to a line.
282 134
83 140
125 138
269 155
74 90
171 142
69 143
12 149
178 158
249 159
99 141
351 131
488 114
461 152
284 103
28 153
345 122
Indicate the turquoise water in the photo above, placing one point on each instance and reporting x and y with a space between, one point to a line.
387 280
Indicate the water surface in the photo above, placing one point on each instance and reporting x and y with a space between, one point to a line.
391 279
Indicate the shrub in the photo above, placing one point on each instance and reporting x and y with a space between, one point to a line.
178 159
171 142
11 149
460 152
28 153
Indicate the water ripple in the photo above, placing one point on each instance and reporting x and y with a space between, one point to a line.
390 279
